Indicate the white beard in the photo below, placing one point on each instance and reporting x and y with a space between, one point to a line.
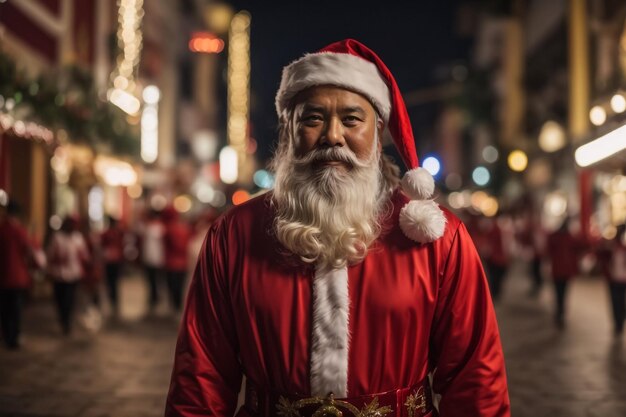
325 215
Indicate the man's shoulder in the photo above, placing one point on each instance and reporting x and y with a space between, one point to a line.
246 216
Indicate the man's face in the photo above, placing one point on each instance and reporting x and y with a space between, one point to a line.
332 117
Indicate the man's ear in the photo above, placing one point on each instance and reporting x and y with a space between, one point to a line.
380 127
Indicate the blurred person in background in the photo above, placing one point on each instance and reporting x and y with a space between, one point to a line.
340 289
200 228
612 257
538 247
564 250
112 243
532 239
153 254
93 273
488 238
495 255
67 253
17 253
177 237
94 268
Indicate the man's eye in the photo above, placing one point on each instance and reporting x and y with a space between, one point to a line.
351 119
311 118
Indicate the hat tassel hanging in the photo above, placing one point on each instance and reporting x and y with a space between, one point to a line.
421 219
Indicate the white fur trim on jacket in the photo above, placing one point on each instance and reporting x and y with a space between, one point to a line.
329 68
422 221
330 339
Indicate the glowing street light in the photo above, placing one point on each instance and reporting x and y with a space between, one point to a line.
601 148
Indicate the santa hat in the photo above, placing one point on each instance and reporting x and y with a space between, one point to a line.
351 65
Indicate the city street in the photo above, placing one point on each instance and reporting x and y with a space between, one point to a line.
127 127
123 370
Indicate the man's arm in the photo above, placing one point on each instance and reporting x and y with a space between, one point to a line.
207 374
465 344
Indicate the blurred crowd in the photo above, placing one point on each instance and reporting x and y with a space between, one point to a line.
164 246
81 265
555 256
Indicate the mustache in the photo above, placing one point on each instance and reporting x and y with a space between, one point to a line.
330 155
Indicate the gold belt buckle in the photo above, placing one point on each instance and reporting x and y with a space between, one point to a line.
329 407
416 401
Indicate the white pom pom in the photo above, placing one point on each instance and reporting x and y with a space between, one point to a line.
422 221
418 184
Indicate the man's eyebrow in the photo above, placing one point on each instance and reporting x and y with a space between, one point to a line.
307 107
352 109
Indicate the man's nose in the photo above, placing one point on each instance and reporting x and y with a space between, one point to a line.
333 134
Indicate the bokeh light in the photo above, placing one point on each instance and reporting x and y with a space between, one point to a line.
597 115
134 191
263 179
518 161
454 181
240 196
432 165
481 176
618 103
551 137
182 203
489 206
158 202
490 154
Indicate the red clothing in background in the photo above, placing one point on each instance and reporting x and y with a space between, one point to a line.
112 242
15 252
177 237
497 251
564 251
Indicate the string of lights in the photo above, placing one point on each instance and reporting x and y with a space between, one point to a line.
238 84
26 130
130 41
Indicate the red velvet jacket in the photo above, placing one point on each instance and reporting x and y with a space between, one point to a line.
414 309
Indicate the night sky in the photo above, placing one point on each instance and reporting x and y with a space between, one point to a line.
414 38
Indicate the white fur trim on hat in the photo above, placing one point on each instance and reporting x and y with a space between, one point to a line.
342 70
422 221
330 339
418 184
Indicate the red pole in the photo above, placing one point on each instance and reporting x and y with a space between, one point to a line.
5 164
584 181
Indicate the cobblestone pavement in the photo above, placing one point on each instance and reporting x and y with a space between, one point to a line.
574 372
123 370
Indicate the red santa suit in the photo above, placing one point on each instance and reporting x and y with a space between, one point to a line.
417 305
407 310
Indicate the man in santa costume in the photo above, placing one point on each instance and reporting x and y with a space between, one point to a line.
346 291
